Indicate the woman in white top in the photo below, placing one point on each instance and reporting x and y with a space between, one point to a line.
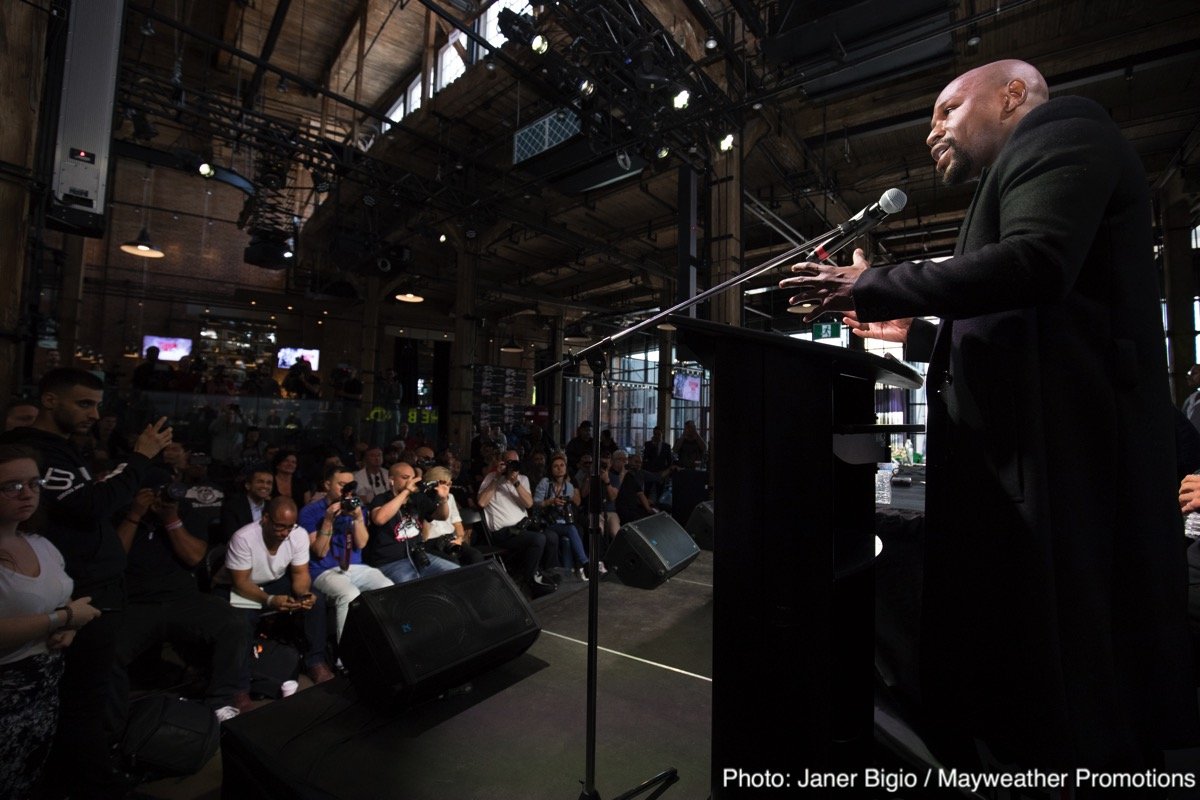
37 619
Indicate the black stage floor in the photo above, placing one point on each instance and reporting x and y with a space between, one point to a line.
520 733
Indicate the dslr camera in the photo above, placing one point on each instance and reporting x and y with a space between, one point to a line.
512 466
350 501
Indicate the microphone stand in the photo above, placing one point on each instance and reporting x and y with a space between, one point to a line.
596 356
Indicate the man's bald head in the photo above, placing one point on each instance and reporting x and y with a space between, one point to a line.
976 113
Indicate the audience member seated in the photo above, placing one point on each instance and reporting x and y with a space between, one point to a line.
287 483
372 479
267 562
609 523
627 488
580 445
505 500
447 537
20 414
164 603
246 507
397 518
189 478
337 533
558 501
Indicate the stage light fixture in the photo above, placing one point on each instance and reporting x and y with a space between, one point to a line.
680 101
710 43
540 44
586 87
206 169
663 151
726 142
442 238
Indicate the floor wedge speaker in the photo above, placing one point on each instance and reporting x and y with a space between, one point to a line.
649 551
415 640
700 525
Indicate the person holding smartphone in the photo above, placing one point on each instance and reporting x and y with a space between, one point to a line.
268 569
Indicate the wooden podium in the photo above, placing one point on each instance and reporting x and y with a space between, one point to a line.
794 450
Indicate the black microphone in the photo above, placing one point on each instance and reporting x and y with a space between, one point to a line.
890 202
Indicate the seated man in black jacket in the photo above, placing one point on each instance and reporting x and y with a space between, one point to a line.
165 603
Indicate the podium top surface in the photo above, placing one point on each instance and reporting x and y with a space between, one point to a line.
700 336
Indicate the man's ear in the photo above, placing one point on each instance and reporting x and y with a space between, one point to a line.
1015 94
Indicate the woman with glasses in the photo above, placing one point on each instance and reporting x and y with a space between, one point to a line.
38 618
559 501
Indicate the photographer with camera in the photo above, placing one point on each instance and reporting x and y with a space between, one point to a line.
396 547
505 500
337 534
558 501
448 538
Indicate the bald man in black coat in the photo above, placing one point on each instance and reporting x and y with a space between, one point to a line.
1053 623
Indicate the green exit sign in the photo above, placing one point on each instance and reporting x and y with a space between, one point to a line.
827 330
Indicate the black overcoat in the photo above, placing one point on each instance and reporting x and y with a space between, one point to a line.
1053 622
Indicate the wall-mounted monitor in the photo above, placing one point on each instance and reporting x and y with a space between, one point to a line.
290 355
170 348
686 387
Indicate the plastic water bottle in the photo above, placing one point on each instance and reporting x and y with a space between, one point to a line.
883 483
1191 523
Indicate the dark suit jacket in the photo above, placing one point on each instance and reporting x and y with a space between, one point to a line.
1054 597
235 513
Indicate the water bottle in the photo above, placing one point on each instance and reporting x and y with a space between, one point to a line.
1191 523
883 483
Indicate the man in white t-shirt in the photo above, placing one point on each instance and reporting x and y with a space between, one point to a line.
505 500
372 479
268 565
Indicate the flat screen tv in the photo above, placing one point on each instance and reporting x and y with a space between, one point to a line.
290 355
687 387
170 348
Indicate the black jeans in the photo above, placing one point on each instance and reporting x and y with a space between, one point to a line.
188 617
315 621
531 548
79 764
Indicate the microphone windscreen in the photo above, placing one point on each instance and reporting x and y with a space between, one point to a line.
893 200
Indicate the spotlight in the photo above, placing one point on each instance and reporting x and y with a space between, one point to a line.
540 44
442 238
974 41
586 87
410 296
726 142
710 43
757 105
680 101
287 253
490 66
206 169
663 151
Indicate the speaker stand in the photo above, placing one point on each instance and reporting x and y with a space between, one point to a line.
598 360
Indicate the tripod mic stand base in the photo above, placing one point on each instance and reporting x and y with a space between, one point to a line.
659 783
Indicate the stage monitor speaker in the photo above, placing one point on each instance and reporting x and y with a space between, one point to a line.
649 551
700 525
79 182
415 640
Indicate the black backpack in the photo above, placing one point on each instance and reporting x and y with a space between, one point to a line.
169 735
271 663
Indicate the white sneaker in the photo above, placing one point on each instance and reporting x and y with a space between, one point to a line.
603 571
225 713
581 573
